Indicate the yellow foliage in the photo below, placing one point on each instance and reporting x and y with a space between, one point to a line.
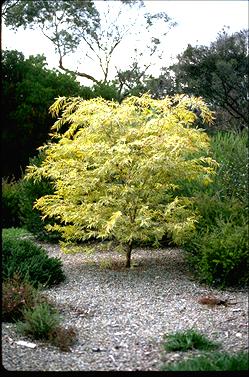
117 166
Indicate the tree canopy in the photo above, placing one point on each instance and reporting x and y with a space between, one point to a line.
218 73
116 168
88 28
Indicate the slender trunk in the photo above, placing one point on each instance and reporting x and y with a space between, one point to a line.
128 254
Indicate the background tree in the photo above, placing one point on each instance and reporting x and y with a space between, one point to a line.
59 21
28 89
138 83
218 73
87 26
116 168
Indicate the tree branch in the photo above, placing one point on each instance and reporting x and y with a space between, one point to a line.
81 74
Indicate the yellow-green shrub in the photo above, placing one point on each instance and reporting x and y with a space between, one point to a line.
117 166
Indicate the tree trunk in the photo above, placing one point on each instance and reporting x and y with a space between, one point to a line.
128 255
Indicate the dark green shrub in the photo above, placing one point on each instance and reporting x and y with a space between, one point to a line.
16 233
222 254
39 321
28 90
218 250
187 340
17 295
10 203
212 362
105 90
30 261
29 216
230 150
211 210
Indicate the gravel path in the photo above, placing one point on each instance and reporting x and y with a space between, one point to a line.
121 315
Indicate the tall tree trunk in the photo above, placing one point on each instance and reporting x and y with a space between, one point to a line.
128 254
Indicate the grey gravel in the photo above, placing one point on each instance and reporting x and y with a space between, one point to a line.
122 315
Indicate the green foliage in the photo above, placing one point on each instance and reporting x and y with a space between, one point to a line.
107 91
161 86
212 209
218 251
16 233
218 73
42 321
230 149
212 362
222 254
29 192
71 16
10 203
116 168
28 89
17 295
30 261
39 321
188 340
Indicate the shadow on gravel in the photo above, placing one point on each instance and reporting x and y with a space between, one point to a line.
170 261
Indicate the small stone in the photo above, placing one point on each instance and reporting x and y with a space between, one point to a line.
25 344
97 349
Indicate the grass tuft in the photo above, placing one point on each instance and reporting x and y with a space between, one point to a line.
212 362
188 340
39 321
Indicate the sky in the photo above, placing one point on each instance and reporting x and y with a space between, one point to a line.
198 22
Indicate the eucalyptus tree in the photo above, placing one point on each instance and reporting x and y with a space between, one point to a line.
59 21
98 31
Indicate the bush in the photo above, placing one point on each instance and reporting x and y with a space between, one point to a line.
218 251
30 217
30 261
16 233
212 362
230 150
188 340
221 255
17 295
116 189
10 203
62 337
39 321
43 322
212 209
